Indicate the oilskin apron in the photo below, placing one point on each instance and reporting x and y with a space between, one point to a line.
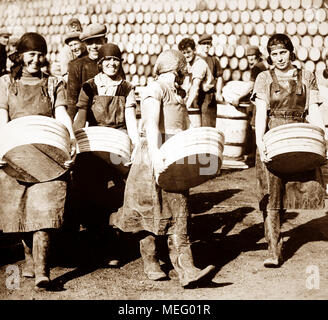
30 206
288 191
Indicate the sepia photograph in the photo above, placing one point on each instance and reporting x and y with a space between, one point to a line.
163 156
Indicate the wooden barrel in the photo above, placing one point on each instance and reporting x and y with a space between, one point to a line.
35 148
192 157
112 145
195 117
295 147
233 122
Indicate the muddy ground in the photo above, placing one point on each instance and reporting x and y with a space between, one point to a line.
227 231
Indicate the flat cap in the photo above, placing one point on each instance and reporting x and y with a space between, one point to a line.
252 50
93 30
72 35
4 32
205 38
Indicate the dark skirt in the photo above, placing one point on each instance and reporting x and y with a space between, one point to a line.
97 190
29 207
146 206
304 190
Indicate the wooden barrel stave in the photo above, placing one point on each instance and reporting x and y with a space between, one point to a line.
186 158
295 147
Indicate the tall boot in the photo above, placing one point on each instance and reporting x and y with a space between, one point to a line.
149 257
273 238
41 241
182 260
28 267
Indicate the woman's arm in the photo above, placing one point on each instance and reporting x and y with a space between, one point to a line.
131 124
80 119
260 127
150 109
62 116
315 117
4 117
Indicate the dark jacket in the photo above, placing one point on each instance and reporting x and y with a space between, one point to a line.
3 60
79 71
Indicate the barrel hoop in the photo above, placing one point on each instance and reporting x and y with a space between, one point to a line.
235 144
232 118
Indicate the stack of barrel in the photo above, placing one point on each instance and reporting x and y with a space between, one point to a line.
144 28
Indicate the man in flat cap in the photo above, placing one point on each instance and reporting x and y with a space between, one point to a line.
202 83
86 67
76 48
73 46
4 40
204 45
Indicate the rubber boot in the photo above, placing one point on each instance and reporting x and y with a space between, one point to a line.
149 257
182 260
114 245
41 241
273 238
28 267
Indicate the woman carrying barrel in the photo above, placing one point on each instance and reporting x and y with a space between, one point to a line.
109 101
284 94
33 209
147 208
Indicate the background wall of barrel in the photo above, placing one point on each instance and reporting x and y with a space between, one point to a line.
144 28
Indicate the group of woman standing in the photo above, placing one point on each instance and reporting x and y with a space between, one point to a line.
35 209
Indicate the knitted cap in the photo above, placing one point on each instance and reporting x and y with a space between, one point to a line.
170 60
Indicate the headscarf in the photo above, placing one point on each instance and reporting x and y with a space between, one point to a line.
280 41
31 41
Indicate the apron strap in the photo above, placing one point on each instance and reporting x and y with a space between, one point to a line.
275 84
299 85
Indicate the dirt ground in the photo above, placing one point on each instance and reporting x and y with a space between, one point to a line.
227 231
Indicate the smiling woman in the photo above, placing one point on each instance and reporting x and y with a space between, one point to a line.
33 209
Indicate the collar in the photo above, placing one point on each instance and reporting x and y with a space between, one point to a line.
102 80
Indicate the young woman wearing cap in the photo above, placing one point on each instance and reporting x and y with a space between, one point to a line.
147 208
110 102
33 209
284 94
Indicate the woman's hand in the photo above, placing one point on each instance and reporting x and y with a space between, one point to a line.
158 162
263 152
69 163
2 163
73 145
133 154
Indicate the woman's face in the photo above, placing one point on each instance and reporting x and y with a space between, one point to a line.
75 46
111 66
280 58
33 61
